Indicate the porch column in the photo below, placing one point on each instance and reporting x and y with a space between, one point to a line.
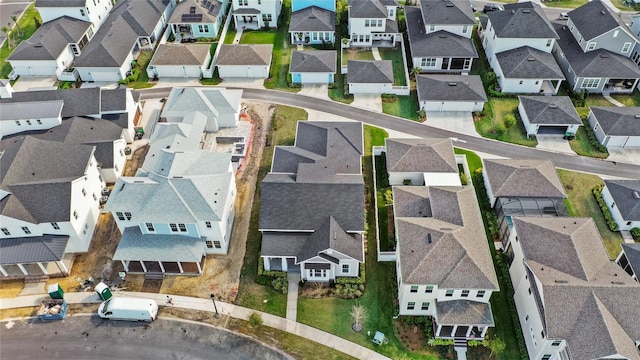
161 266
144 268
284 264
125 265
3 271
180 267
44 270
469 331
267 263
558 86
449 64
484 331
199 268
453 332
634 84
24 271
438 330
62 266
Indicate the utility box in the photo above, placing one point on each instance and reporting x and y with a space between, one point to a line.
103 291
56 292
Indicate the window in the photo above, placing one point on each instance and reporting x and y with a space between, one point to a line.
414 288
75 214
55 226
367 23
549 42
411 305
465 293
556 342
266 17
345 268
542 334
243 2
82 12
432 28
127 215
591 45
119 215
208 224
84 192
150 227
546 357
449 293
209 244
480 293
425 306
428 62
18 122
183 227
174 227
39 121
26 230
590 83
6 231
521 82
203 28
465 29
217 244
391 13
529 291
379 22
429 289
29 122
626 47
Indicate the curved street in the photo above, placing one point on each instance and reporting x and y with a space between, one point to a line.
564 161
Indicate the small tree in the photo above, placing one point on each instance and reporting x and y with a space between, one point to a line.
359 315
415 71
7 34
496 345
255 319
509 120
388 197
15 20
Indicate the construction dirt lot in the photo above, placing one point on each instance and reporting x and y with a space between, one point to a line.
221 272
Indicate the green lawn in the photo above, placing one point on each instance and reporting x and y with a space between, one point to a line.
597 100
281 54
632 100
143 80
355 54
582 146
620 5
569 4
395 55
578 187
258 37
231 34
251 294
405 107
27 23
492 124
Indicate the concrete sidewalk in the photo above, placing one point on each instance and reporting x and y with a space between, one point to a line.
186 302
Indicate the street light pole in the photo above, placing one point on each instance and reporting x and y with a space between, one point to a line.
213 298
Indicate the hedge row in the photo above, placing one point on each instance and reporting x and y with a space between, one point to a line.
362 279
593 141
275 279
611 223
635 232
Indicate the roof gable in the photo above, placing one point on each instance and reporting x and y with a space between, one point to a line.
550 110
313 61
626 195
528 63
420 155
523 178
525 22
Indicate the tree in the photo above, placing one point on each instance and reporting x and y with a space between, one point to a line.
359 315
15 20
7 34
255 319
509 120
414 72
496 345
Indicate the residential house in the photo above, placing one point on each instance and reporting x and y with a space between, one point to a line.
522 187
629 259
518 42
49 205
634 27
623 200
572 301
370 76
94 12
244 61
50 51
256 14
616 127
548 115
440 35
593 50
181 61
219 107
450 92
313 67
428 162
34 115
373 23
323 168
312 25
192 19
133 26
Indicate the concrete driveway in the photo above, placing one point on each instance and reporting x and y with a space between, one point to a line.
458 121
243 82
371 102
320 91
555 144
25 83
629 156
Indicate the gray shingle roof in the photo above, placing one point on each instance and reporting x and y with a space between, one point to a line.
528 63
113 100
596 63
77 102
435 44
632 252
369 71
550 110
615 121
313 61
180 54
208 10
523 22
60 3
312 18
411 201
447 12
207 100
581 288
624 193
31 110
154 247
51 39
115 39
594 19
282 243
372 9
464 312
330 235
449 248
450 88
30 250
420 155
523 178
245 54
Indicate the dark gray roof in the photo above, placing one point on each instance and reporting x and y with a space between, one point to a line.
596 63
522 22
550 110
618 121
528 63
313 61
60 3
184 12
375 9
447 248
31 110
245 54
464 312
29 250
312 18
624 195
436 44
77 102
115 39
594 19
155 247
420 155
369 71
523 178
180 54
247 11
330 235
283 243
51 39
113 100
447 12
450 88
632 252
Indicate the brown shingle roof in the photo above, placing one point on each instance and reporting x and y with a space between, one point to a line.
523 178
420 155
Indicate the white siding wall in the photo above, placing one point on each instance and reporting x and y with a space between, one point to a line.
86 207
454 29
442 179
397 178
615 212
520 86
531 130
35 68
492 199
370 88
452 105
110 175
8 127
51 13
494 44
405 296
237 71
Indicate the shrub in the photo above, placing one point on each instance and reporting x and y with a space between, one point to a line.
464 180
255 319
509 120
361 279
349 291
280 283
389 98
635 232
499 129
611 223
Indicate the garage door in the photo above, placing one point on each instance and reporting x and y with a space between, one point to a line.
552 130
104 76
448 106
315 78
256 72
633 141
178 71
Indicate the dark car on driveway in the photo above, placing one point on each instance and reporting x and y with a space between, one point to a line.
492 7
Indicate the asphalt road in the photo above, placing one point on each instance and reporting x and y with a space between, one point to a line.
564 161
9 8
89 337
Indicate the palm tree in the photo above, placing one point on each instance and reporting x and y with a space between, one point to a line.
7 34
15 20
359 315
414 72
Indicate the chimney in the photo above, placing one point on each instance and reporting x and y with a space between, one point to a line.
5 89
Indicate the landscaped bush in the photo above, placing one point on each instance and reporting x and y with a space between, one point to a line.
593 140
509 120
361 279
597 193
635 232
280 283
464 180
276 279
349 291
255 319
389 98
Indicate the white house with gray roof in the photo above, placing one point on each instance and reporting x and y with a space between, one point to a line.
629 259
312 203
192 19
312 25
94 12
572 301
49 205
373 23
616 127
548 115
623 200
422 162
50 51
370 76
450 92
28 116
313 67
244 61
256 14
219 107
181 61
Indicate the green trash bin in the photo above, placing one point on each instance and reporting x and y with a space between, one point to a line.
103 291
56 292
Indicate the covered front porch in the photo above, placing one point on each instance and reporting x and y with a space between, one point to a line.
286 264
620 86
462 319
468 332
165 267
247 19
35 256
311 37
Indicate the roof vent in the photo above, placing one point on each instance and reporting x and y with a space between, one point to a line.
37 45
526 11
442 36
312 17
637 116
603 12
604 56
446 229
449 5
553 106
429 240
617 283
561 282
531 58
636 195
453 84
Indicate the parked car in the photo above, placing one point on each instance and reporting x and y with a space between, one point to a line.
474 8
563 16
492 7
128 309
